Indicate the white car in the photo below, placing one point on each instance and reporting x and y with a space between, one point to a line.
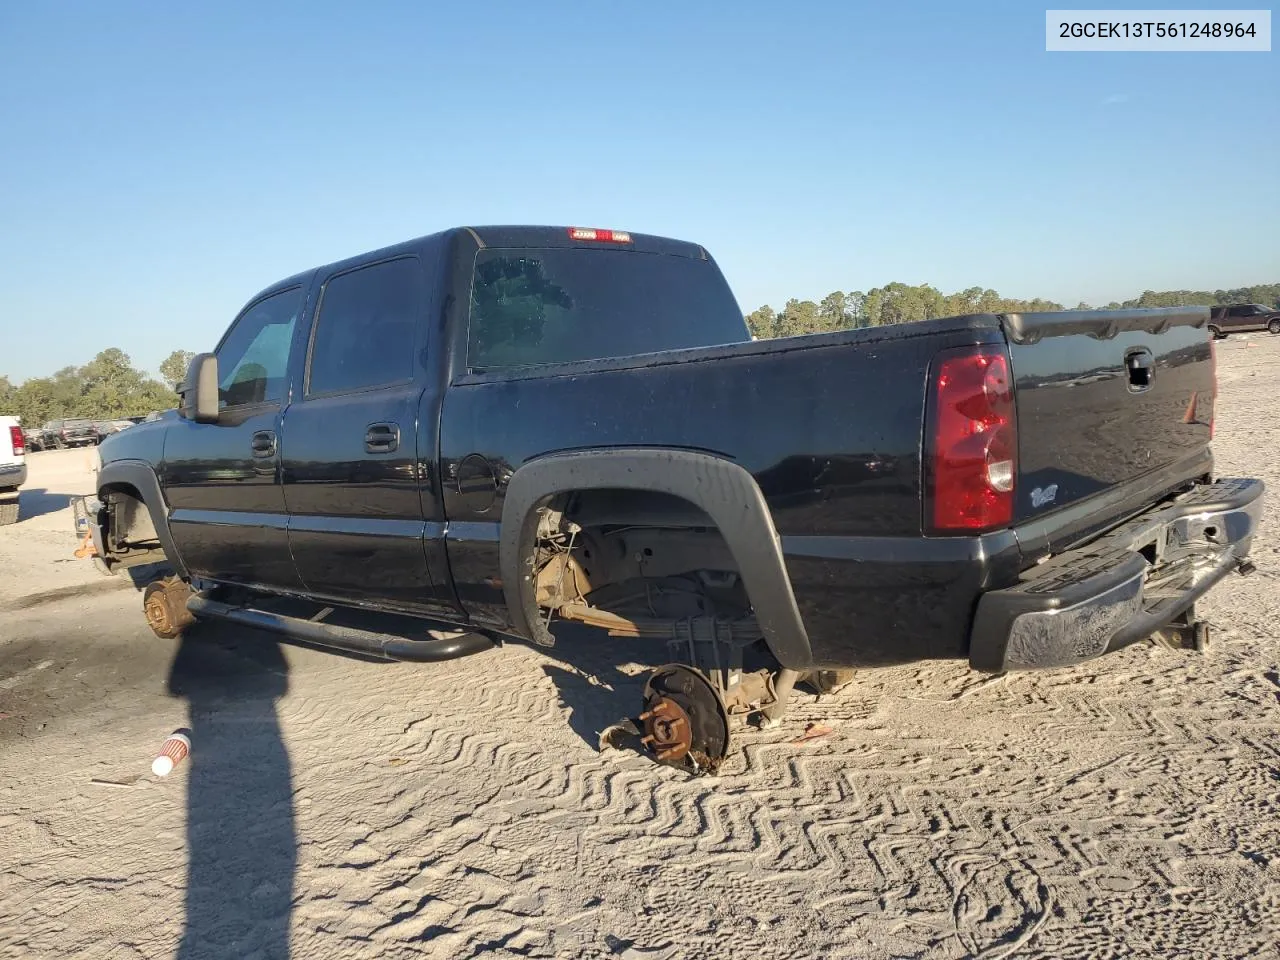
13 467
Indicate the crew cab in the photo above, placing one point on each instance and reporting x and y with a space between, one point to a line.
1243 317
474 433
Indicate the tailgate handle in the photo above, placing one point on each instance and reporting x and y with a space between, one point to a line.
1141 367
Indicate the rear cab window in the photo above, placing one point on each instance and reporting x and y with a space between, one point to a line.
532 306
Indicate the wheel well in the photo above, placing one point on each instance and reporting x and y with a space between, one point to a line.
699 499
129 522
635 554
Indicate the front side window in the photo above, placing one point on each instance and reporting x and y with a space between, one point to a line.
364 335
253 361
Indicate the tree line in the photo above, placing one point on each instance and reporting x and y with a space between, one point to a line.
904 303
105 388
109 386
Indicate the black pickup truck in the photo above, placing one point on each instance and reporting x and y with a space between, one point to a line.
57 434
468 435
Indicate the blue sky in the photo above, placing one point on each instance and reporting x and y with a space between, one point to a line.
161 163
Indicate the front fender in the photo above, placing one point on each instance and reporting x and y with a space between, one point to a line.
141 476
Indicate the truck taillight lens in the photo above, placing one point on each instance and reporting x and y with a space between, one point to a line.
19 444
973 458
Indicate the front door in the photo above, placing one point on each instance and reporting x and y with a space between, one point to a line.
1241 318
227 513
350 444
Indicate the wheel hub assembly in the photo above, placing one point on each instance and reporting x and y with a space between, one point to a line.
685 720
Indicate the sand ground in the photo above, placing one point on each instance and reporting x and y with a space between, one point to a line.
337 808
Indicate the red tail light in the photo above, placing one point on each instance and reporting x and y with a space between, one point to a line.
19 444
973 460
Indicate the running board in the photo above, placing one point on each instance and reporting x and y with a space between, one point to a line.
445 646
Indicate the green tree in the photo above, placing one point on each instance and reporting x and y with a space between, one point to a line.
798 317
106 387
836 311
173 368
760 322
905 303
108 382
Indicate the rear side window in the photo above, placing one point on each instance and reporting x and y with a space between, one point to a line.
365 332
534 306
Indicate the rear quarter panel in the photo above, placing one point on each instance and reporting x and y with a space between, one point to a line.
829 426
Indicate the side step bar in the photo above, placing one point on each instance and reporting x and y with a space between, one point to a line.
446 646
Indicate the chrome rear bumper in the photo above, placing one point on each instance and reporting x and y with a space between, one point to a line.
1122 587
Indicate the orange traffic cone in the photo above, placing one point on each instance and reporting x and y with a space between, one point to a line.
86 548
1190 415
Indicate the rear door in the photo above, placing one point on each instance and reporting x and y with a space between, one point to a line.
1241 318
350 445
221 479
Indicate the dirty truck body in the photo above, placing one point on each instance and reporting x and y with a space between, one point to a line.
494 428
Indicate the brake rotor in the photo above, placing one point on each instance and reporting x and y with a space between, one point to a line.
164 603
685 720
156 609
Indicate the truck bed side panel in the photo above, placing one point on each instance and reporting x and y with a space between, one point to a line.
829 426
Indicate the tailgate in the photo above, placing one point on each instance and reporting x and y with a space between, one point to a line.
1104 397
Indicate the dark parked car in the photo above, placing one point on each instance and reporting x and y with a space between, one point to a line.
105 428
494 427
1242 317
57 434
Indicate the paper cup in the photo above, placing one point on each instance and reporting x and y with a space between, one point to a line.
172 753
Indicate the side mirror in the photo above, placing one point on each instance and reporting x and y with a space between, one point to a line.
200 391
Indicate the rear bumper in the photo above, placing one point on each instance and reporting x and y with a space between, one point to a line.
12 475
1120 588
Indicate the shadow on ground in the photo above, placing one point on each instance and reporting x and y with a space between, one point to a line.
589 681
241 840
36 502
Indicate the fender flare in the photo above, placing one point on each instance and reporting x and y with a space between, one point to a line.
722 489
142 477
